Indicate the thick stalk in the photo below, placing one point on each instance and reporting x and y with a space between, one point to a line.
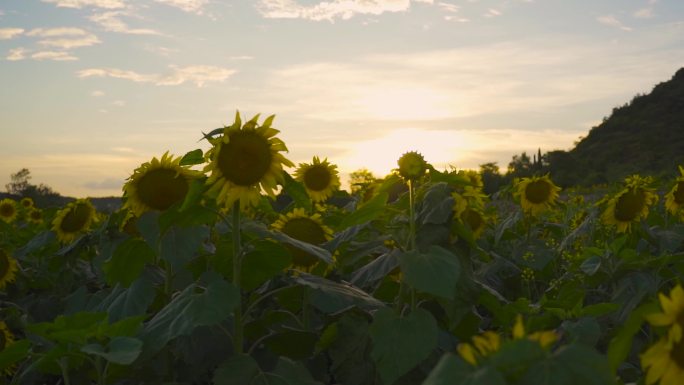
412 234
237 266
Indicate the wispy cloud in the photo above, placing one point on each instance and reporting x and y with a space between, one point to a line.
53 55
199 75
646 12
56 32
111 21
192 6
67 43
107 4
332 9
97 93
16 54
10 33
492 13
448 7
612 21
106 184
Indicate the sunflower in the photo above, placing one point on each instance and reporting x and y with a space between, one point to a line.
536 193
73 220
158 184
545 338
664 361
481 346
673 313
674 200
245 160
8 268
306 228
320 179
26 202
35 216
412 166
8 210
629 205
475 220
6 339
128 224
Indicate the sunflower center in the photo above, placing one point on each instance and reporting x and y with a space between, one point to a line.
6 210
161 188
4 265
306 230
629 205
317 178
76 219
538 191
679 193
245 159
36 215
677 353
472 218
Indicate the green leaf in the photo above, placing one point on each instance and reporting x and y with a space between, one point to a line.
599 309
266 260
436 206
240 369
293 373
14 353
294 344
120 350
188 310
330 296
76 328
435 271
195 193
349 350
191 158
570 365
585 330
401 343
180 244
297 192
365 212
128 262
452 370
260 231
124 302
377 269
621 344
36 243
591 265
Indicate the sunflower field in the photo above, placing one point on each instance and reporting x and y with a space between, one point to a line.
223 268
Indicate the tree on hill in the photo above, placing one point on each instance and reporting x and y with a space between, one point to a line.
41 194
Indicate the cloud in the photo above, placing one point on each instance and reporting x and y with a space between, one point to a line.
612 21
67 43
10 33
119 103
192 6
107 4
106 184
53 55
57 32
643 13
97 93
199 75
16 54
332 9
492 13
448 7
111 22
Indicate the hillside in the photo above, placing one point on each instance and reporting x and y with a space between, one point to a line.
645 136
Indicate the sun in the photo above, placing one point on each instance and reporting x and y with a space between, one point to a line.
379 155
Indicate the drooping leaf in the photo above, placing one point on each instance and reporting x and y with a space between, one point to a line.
180 244
331 296
435 271
401 343
119 350
621 344
266 260
128 262
365 212
377 269
192 158
124 302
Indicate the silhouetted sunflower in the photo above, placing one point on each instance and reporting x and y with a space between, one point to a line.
8 210
35 216
158 184
674 200
306 228
412 166
73 220
6 340
26 202
245 160
319 178
629 205
536 194
8 268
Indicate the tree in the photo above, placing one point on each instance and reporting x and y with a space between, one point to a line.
491 177
19 182
360 179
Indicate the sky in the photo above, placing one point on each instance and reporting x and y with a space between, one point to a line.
90 89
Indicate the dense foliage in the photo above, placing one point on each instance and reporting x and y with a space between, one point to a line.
418 278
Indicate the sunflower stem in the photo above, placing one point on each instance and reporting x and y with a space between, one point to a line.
237 266
412 234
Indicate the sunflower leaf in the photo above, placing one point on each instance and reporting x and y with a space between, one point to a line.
297 192
401 343
14 353
435 271
451 369
192 158
366 212
127 262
